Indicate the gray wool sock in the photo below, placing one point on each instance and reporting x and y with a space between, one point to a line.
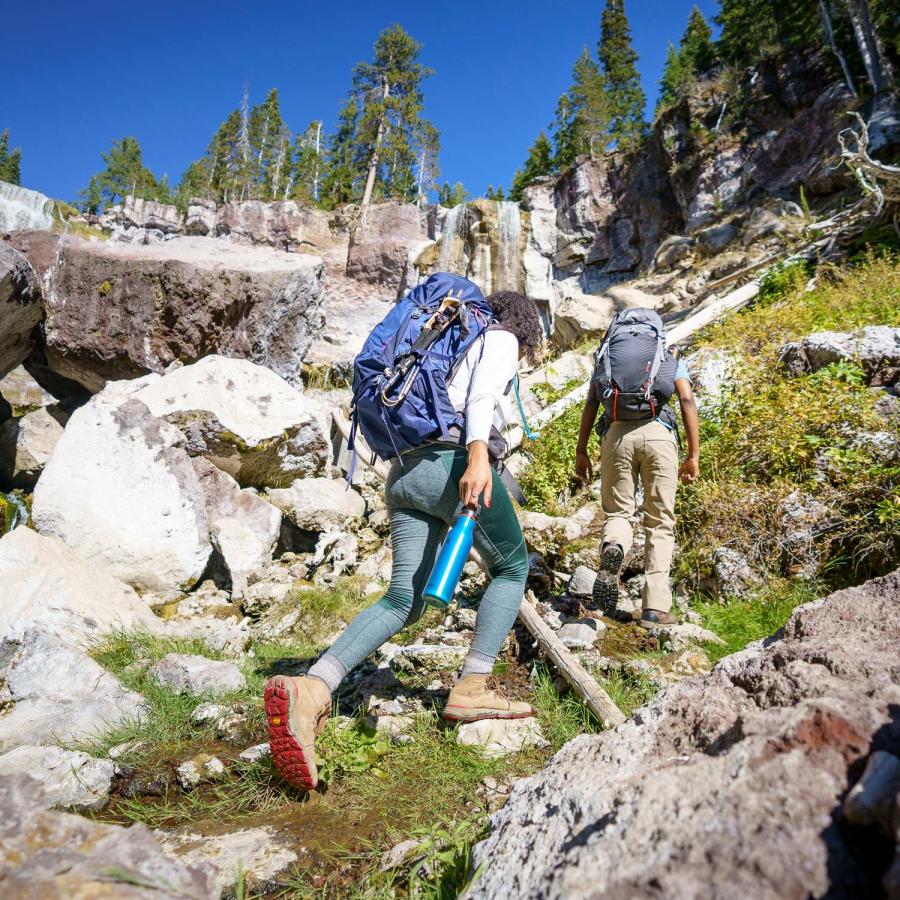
330 670
477 663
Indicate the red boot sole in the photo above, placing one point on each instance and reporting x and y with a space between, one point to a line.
287 754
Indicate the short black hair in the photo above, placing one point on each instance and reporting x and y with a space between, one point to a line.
519 315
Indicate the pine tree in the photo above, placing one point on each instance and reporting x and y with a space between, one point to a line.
499 193
696 48
342 170
538 163
222 161
266 137
753 29
194 183
618 64
388 93
124 174
451 196
582 114
309 151
676 75
10 162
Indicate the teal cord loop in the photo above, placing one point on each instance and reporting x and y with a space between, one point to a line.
531 435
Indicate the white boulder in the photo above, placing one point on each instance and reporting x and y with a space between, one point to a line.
121 491
44 583
500 737
70 778
243 417
243 527
197 675
56 692
319 504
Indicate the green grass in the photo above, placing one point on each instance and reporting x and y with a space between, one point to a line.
741 622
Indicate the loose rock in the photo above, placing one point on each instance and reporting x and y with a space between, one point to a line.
319 504
69 778
500 737
197 675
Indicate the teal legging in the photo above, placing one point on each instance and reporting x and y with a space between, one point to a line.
422 497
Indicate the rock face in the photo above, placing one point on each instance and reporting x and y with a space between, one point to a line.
47 854
121 491
726 785
20 307
243 417
381 246
54 692
21 208
45 584
118 311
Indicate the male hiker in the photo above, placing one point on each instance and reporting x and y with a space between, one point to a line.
634 378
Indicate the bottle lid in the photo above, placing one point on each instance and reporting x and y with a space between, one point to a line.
470 511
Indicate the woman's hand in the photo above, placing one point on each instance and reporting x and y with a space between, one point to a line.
478 476
584 471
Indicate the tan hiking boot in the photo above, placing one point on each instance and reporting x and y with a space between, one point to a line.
477 697
297 709
651 617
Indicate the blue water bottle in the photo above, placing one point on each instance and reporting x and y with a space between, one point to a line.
454 552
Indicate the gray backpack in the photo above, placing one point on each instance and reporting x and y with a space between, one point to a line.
633 370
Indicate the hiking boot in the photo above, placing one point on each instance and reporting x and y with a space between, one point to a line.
606 584
478 697
297 709
651 617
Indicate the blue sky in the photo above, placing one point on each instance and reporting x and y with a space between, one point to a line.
79 75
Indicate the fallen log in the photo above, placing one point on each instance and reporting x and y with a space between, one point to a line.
567 664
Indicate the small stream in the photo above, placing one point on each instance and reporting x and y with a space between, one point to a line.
13 511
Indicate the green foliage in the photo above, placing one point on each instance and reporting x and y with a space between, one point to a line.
10 160
547 479
309 159
538 164
390 129
124 174
347 749
776 434
341 171
695 55
739 623
450 196
582 114
492 194
696 43
753 29
618 65
562 716
782 281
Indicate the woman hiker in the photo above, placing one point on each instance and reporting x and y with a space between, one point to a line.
423 496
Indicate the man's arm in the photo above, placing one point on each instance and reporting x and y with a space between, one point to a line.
584 471
690 468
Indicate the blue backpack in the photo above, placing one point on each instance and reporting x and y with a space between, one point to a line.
401 374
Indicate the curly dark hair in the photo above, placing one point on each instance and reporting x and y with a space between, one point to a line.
519 315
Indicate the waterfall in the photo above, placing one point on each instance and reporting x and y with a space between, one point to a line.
21 208
508 270
13 512
451 257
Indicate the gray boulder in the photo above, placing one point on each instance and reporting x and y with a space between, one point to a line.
27 443
197 675
494 738
70 778
581 584
733 575
319 504
581 634
803 520
716 237
725 785
20 307
712 376
876 348
53 691
672 250
49 854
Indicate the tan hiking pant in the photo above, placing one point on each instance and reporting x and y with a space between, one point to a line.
648 449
